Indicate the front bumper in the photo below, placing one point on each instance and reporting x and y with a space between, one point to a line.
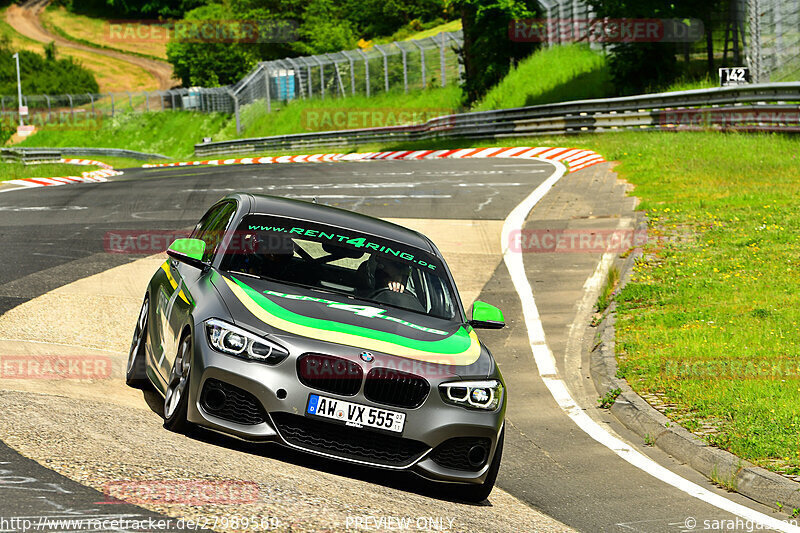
428 431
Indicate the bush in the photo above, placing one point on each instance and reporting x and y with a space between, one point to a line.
43 75
637 68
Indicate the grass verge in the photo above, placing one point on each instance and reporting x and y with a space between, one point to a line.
607 292
167 133
557 74
15 171
709 322
353 112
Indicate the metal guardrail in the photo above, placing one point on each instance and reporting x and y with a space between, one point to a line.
748 108
38 155
77 150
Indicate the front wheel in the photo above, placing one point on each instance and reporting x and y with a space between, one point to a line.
176 399
478 493
136 374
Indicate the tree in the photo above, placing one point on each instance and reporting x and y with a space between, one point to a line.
639 67
219 60
488 50
324 29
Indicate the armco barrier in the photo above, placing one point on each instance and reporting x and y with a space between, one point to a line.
37 155
29 152
765 107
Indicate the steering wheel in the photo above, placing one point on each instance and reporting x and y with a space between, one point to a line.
406 299
380 291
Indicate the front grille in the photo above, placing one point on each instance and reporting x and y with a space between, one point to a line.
231 403
393 387
330 373
455 453
347 442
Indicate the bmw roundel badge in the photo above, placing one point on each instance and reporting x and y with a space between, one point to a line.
367 357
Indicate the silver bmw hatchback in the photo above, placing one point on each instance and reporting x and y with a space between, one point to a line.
326 331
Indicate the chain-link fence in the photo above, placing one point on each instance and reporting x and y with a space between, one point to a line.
400 65
564 10
412 64
216 99
87 111
774 28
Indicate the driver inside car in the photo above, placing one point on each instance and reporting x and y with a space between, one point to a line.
391 275
389 280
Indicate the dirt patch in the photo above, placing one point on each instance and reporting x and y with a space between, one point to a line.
25 20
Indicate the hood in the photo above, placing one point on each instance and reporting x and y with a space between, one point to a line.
351 322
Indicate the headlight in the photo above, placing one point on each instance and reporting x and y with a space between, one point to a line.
473 394
228 339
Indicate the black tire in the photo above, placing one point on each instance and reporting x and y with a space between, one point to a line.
478 493
175 408
136 373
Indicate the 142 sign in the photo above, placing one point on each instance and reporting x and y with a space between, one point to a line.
734 76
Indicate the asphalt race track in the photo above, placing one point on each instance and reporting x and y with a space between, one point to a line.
53 236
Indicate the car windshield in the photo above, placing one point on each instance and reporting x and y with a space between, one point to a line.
341 261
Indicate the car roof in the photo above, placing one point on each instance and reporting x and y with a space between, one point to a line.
323 214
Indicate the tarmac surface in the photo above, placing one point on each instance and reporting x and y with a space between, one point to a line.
62 293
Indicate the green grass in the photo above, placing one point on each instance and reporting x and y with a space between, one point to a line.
721 289
557 74
168 133
687 85
316 114
13 171
607 292
174 134
453 25
419 30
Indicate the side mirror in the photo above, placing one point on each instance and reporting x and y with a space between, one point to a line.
189 251
486 316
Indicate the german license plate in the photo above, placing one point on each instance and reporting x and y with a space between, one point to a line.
354 414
